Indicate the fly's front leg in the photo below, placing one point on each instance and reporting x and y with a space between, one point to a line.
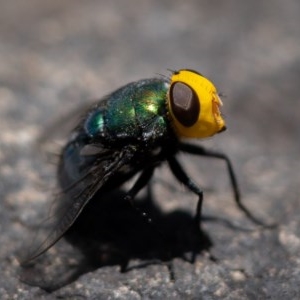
198 150
181 175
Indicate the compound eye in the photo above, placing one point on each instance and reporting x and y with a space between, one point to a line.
185 104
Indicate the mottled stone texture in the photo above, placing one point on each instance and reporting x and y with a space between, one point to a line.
57 54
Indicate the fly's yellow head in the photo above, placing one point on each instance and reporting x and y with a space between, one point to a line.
194 105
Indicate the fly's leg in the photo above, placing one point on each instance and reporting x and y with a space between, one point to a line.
139 184
198 150
180 174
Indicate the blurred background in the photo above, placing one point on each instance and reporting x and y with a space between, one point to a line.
56 55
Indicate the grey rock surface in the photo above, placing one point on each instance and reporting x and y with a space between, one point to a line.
55 55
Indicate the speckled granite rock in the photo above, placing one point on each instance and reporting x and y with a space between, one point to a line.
57 54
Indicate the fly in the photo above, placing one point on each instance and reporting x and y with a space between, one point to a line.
133 130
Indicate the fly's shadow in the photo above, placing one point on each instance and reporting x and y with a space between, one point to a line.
110 232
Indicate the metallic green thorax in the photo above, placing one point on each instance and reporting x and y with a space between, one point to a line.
136 111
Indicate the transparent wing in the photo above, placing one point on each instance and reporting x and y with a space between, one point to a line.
63 124
71 201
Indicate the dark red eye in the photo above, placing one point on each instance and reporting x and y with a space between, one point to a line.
185 104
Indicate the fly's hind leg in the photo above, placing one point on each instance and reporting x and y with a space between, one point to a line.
139 184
